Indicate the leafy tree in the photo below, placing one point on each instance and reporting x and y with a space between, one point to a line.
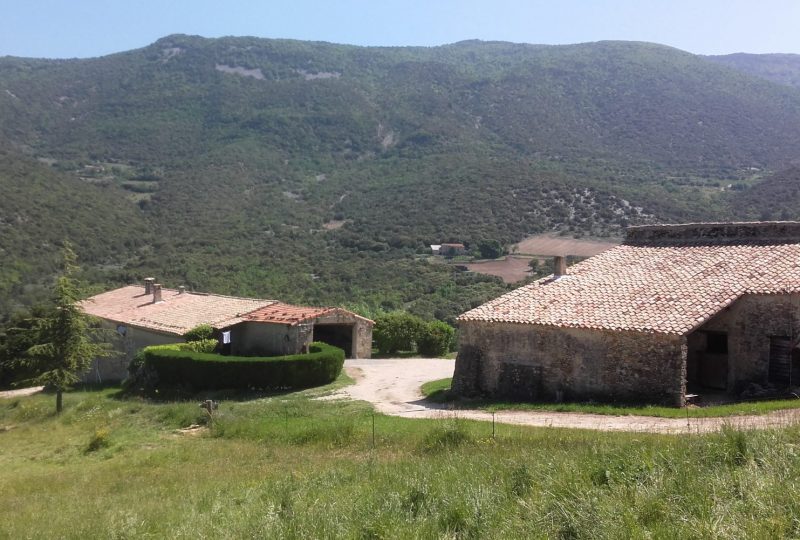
65 343
490 249
16 337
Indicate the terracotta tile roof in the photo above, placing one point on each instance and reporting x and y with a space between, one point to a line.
281 313
670 287
287 313
176 314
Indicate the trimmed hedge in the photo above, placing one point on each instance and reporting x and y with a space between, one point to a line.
207 371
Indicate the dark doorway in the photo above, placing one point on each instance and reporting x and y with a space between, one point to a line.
707 362
714 361
780 361
338 335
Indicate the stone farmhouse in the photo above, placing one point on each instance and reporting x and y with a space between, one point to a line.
150 315
674 310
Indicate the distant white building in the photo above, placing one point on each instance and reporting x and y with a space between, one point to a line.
435 248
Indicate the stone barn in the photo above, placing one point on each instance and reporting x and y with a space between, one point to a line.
139 316
674 310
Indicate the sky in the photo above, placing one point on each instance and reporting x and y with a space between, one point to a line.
86 28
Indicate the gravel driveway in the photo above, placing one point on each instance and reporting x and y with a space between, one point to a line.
393 387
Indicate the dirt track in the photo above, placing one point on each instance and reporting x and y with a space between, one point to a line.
5 394
393 387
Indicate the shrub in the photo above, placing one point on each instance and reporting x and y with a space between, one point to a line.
206 371
199 333
97 441
435 339
202 345
397 332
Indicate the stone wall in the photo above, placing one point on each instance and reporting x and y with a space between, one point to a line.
265 339
749 323
124 348
766 232
362 331
529 362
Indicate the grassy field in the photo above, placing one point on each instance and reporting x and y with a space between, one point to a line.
290 466
439 392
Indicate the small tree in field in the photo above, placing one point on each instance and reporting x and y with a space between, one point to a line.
64 346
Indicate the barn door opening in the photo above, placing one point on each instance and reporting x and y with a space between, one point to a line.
338 335
780 361
712 368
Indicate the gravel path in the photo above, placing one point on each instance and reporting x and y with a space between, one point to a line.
5 394
393 387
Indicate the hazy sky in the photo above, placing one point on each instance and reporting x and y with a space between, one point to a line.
81 28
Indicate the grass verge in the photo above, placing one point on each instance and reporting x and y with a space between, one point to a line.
438 391
293 466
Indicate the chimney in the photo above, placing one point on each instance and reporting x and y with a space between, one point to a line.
181 289
148 285
559 266
156 293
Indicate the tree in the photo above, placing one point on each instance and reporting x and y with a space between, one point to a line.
66 344
490 249
16 337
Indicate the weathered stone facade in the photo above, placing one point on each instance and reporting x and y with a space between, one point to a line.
530 362
749 324
126 341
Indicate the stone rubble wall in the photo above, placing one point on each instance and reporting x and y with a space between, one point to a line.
530 362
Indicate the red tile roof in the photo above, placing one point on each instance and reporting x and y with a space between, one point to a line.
671 286
286 313
281 313
176 314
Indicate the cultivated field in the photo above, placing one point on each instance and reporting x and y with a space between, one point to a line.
553 244
510 269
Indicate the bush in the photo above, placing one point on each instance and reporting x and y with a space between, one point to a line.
397 332
199 333
204 371
203 345
435 339
97 441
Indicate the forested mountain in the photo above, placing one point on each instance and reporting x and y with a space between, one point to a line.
318 173
779 68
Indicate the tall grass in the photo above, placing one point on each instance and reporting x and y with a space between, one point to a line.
291 466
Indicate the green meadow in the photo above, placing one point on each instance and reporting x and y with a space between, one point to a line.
292 466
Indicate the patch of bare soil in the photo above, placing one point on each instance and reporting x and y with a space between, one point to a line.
241 71
510 269
7 394
334 224
393 387
193 431
553 244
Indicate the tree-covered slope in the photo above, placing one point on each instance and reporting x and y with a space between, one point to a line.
779 68
319 173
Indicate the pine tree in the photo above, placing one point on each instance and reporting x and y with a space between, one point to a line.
65 342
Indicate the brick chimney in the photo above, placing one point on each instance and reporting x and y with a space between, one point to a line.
559 266
148 285
156 293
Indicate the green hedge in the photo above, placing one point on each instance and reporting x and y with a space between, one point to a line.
207 371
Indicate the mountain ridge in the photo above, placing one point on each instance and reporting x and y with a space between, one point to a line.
233 153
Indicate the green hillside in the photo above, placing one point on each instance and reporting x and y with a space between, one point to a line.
319 173
779 68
